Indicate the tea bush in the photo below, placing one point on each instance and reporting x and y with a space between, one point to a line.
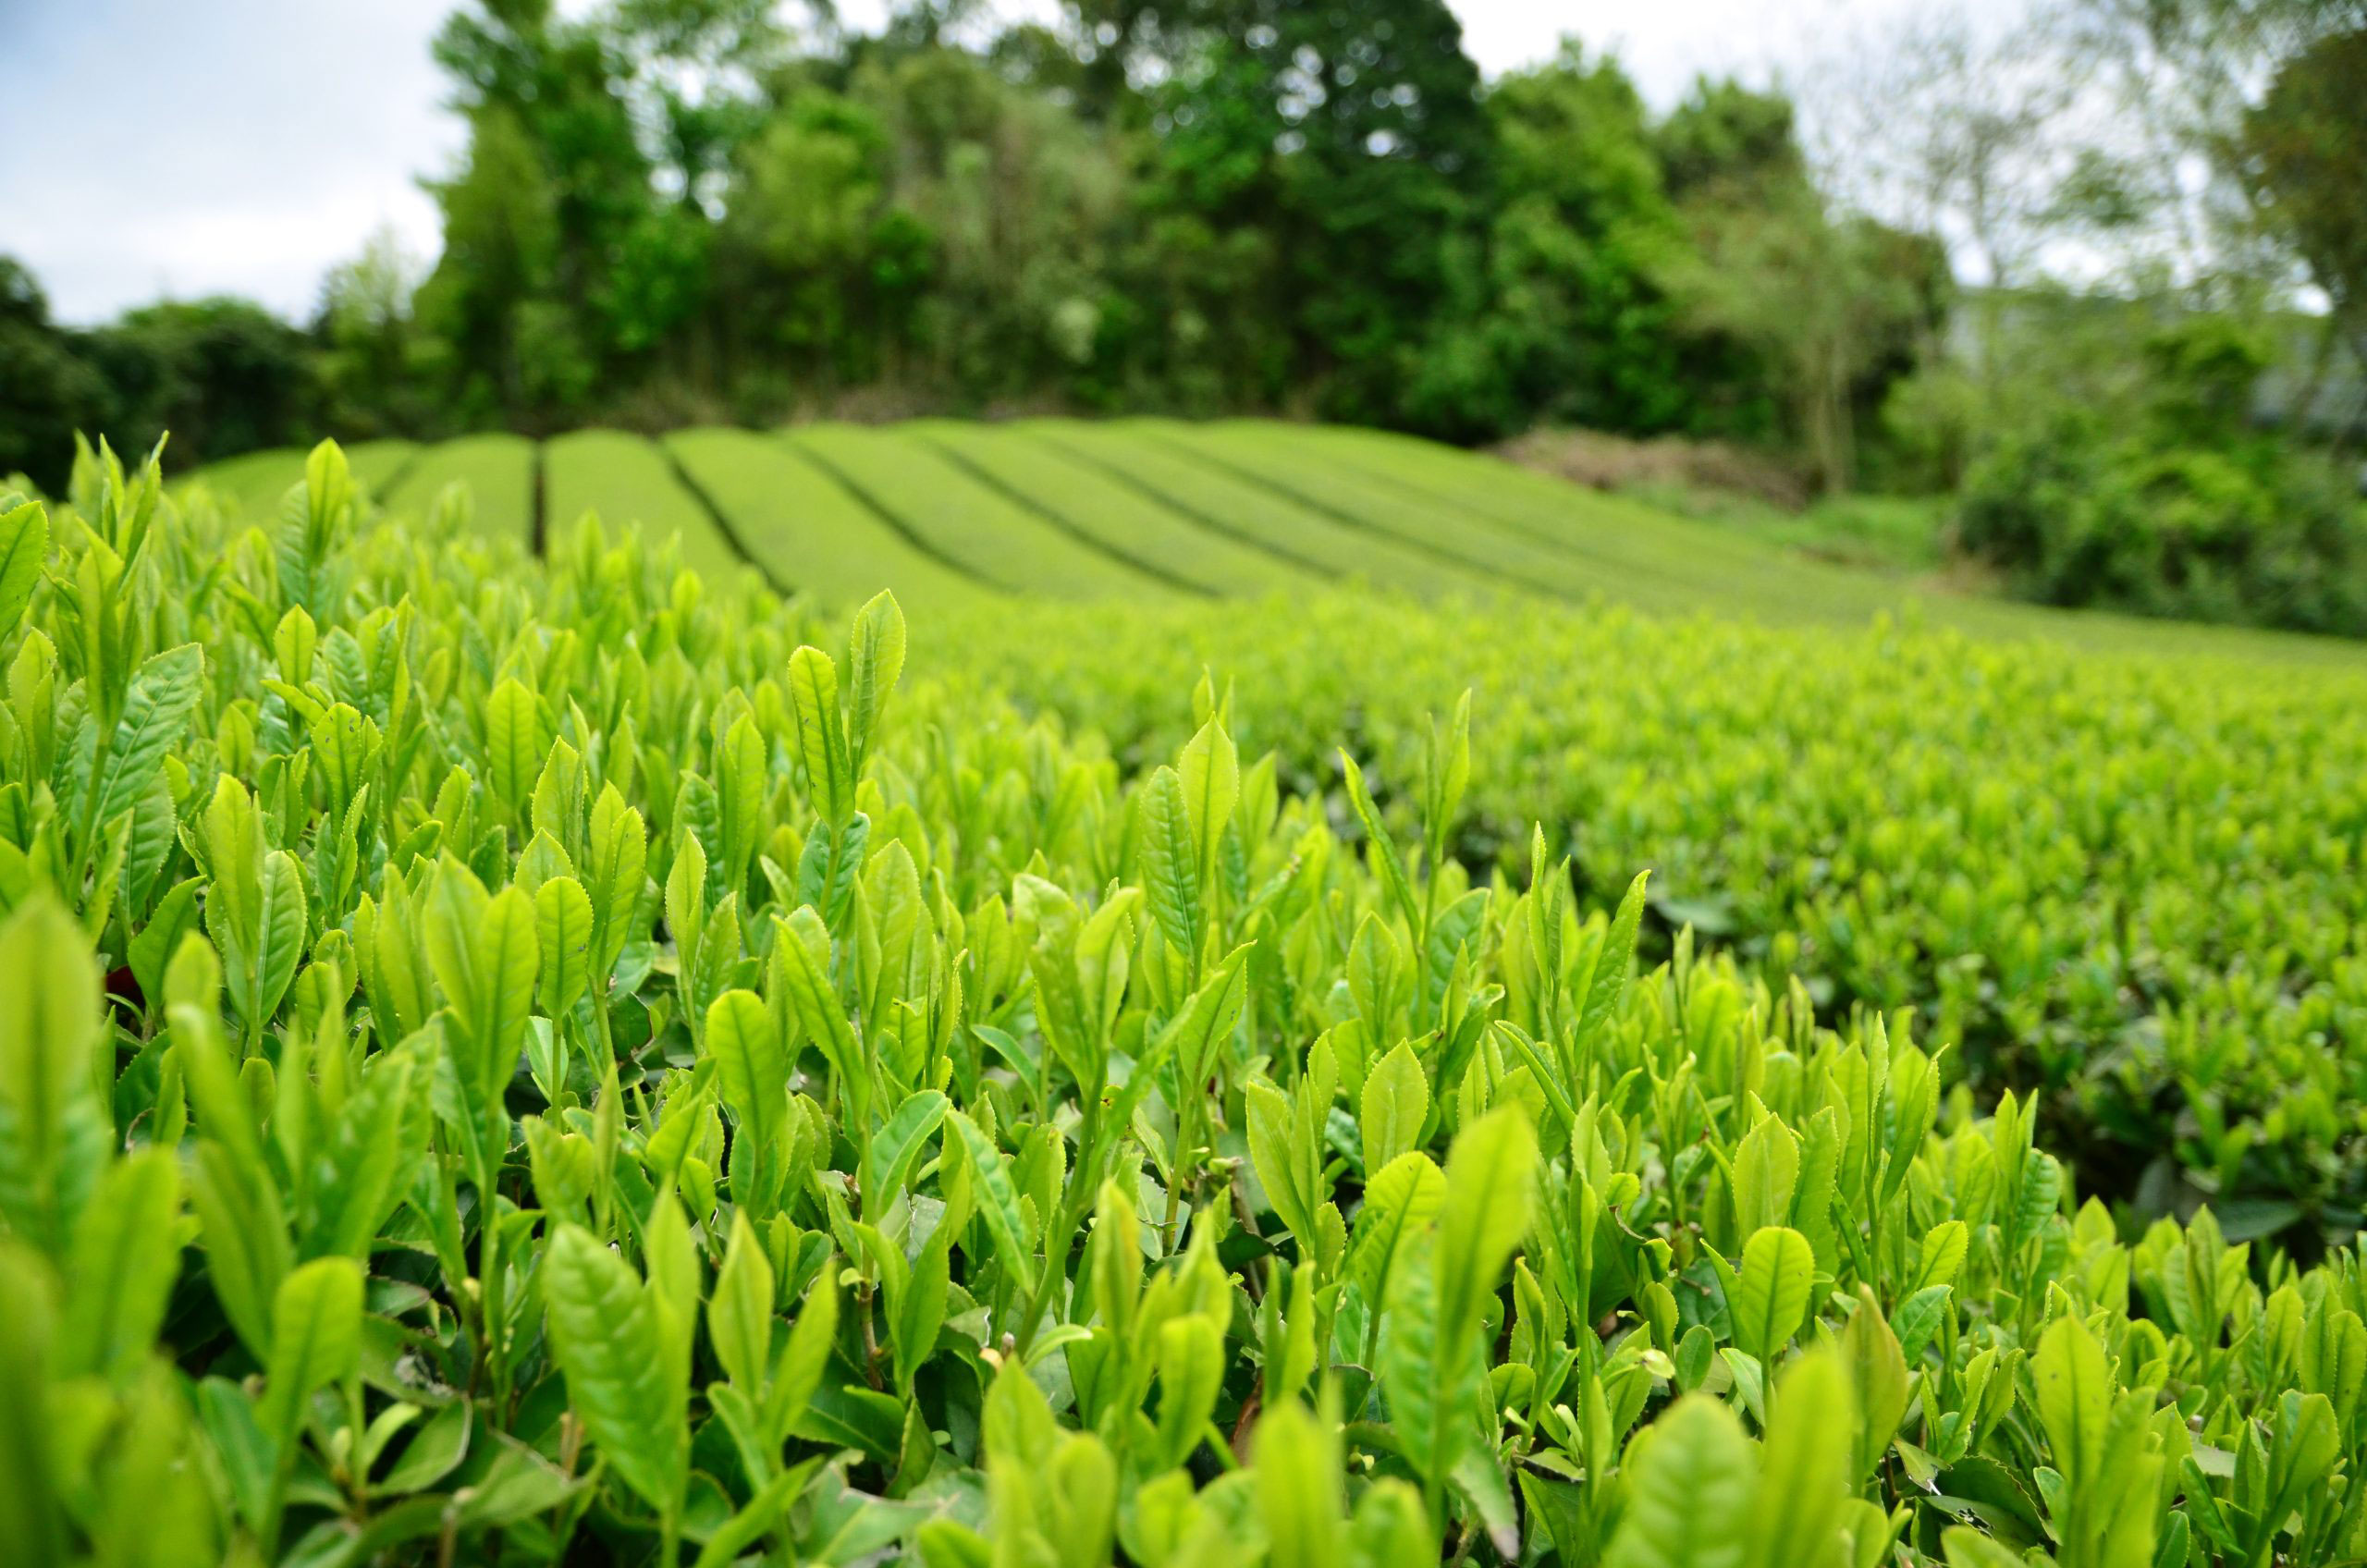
2127 886
2074 518
520 1063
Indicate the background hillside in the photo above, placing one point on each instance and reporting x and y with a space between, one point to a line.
2081 288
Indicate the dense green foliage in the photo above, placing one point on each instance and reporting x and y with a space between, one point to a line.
675 212
2138 481
225 374
518 1062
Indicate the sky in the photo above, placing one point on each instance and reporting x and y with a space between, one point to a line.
169 149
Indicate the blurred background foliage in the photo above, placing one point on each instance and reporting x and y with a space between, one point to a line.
2093 289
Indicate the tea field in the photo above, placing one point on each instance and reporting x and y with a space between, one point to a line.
1075 994
944 512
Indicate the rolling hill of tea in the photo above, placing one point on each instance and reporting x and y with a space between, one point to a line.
949 513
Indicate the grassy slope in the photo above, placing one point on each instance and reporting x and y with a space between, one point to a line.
1131 452
1279 459
253 482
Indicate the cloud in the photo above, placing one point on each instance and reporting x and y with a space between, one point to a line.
237 147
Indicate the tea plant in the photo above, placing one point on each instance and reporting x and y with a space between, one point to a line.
2128 886
527 1064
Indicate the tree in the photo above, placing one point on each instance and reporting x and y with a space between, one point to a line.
809 246
2179 78
1020 201
48 389
1824 299
367 327
692 74
2305 149
1573 327
554 268
501 239
1352 135
224 376
1726 139
1955 128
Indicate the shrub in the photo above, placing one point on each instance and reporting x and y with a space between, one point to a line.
2079 517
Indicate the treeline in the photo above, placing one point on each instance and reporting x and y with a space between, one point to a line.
679 209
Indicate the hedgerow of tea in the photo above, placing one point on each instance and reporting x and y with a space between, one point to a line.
525 1063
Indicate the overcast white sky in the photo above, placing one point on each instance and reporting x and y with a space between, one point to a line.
171 147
